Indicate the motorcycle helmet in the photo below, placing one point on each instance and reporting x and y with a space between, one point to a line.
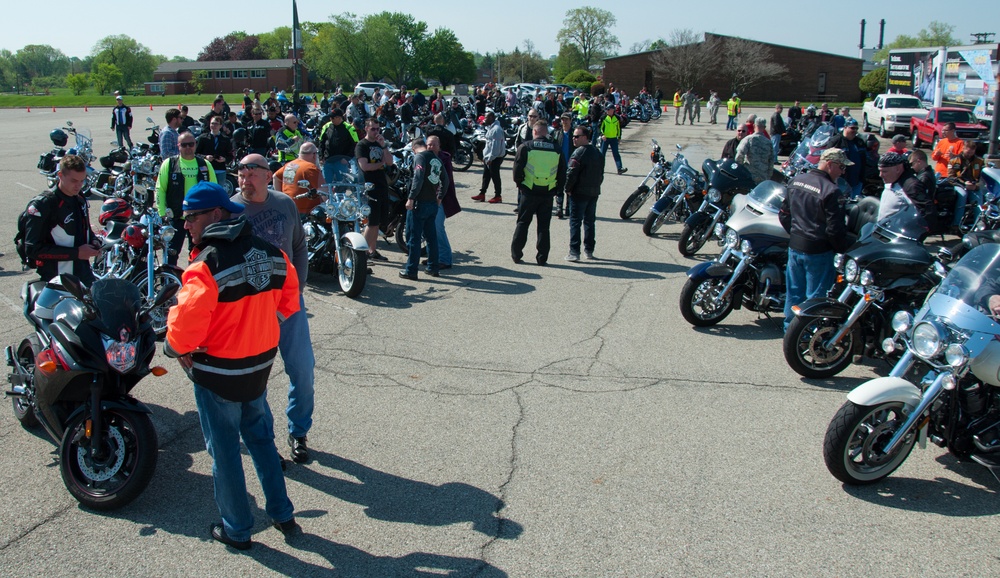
58 137
240 136
115 210
135 236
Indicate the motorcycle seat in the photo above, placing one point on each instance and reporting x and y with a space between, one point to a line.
860 214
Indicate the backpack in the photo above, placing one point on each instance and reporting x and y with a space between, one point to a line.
22 225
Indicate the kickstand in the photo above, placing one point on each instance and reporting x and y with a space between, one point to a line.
777 325
993 467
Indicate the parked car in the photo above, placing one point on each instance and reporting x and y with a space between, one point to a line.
967 126
891 113
369 88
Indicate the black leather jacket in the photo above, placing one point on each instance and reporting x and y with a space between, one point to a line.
586 172
813 214
57 226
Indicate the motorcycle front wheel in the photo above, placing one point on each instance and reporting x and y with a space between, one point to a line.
805 352
654 222
463 158
158 316
854 440
693 238
700 304
352 269
130 453
634 202
24 411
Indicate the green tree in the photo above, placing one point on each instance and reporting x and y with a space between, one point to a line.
340 51
37 60
589 29
106 77
134 61
274 45
874 81
198 78
77 83
8 74
936 34
443 58
397 44
579 76
568 60
523 65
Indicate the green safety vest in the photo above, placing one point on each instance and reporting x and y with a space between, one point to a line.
542 166
611 127
289 154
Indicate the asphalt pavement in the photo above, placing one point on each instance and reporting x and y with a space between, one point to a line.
509 420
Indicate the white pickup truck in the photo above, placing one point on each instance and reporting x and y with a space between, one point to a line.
891 113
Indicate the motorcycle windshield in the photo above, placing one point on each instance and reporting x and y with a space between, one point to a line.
767 196
907 224
117 302
83 137
964 295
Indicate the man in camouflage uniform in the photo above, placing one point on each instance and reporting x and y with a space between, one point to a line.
689 100
757 153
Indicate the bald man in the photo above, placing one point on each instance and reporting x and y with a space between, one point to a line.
303 168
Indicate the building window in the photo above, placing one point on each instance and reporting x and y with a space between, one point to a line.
239 74
222 74
155 88
259 73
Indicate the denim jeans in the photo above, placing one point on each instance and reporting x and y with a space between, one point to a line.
444 247
177 243
807 276
582 210
223 423
122 134
961 198
334 168
296 350
613 143
420 223
776 143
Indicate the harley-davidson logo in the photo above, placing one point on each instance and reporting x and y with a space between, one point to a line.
257 268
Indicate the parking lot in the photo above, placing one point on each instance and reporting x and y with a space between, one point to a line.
509 420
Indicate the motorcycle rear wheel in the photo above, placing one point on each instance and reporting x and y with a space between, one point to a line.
352 269
634 202
463 159
692 239
158 316
653 223
804 351
698 302
130 441
855 436
24 411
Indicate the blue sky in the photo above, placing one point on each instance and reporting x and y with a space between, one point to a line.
179 27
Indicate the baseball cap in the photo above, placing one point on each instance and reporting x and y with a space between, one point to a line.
891 160
851 122
835 156
566 115
336 112
118 98
208 195
899 138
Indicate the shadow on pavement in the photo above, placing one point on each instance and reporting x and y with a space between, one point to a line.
939 496
396 499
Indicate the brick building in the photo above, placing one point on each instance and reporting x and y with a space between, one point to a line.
813 77
230 76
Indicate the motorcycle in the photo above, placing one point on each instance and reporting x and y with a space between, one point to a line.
133 252
887 271
729 180
751 270
74 375
815 138
333 231
659 175
952 345
684 193
48 164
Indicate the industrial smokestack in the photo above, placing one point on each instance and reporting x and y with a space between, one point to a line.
861 45
881 33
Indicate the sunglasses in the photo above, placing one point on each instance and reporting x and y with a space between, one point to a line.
190 217
579 136
185 144
248 166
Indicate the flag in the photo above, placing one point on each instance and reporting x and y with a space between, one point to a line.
296 31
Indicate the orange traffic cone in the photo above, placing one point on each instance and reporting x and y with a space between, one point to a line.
53 109
29 109
150 106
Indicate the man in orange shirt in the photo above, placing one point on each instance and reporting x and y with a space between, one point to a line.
303 168
947 148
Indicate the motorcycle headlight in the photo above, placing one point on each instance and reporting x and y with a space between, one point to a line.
745 247
956 355
851 271
120 354
732 238
867 278
928 339
838 261
365 210
902 321
167 233
714 196
720 230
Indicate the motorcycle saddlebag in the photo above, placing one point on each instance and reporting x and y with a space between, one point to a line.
47 162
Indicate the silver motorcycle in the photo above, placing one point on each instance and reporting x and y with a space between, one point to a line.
945 386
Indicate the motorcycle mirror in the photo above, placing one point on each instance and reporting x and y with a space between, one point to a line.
69 123
166 294
73 285
679 147
149 119
304 184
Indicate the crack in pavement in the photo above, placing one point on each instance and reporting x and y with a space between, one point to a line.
56 514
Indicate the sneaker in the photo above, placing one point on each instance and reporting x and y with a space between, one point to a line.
218 533
376 256
622 171
300 453
480 197
589 255
573 257
495 200
290 528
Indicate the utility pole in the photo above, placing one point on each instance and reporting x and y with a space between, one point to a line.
982 37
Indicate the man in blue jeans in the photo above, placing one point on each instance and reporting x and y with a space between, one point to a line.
611 133
813 214
430 181
583 186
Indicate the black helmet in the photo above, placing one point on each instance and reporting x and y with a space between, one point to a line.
240 136
58 137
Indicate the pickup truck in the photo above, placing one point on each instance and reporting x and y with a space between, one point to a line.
891 113
967 126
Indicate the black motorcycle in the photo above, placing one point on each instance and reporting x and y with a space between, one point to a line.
73 375
729 180
887 271
659 174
